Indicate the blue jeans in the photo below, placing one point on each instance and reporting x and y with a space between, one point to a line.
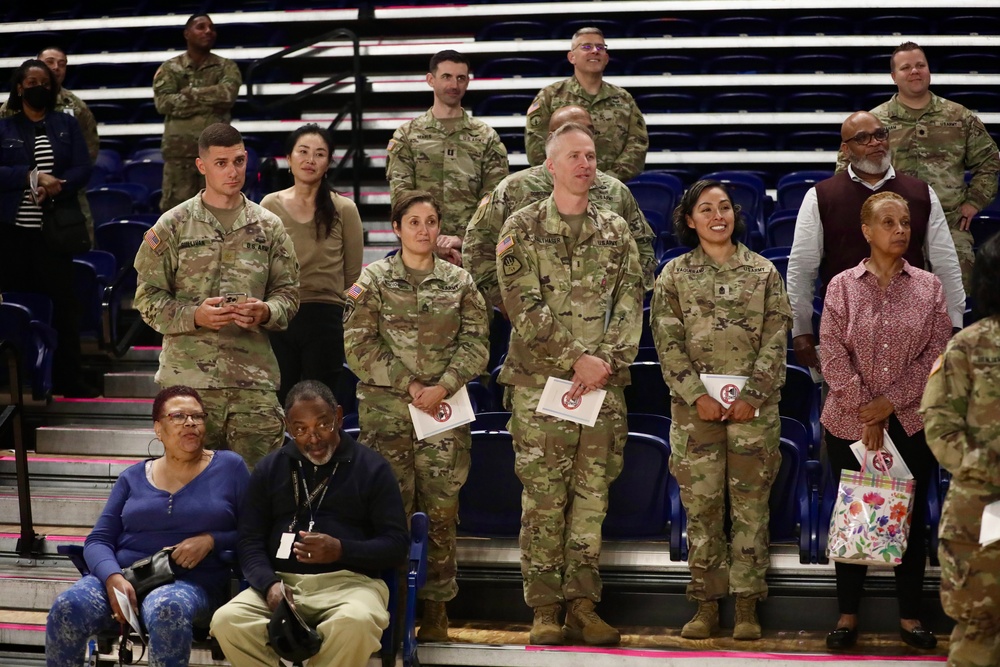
168 612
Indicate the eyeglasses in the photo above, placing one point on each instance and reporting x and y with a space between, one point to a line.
181 418
865 138
596 48
303 433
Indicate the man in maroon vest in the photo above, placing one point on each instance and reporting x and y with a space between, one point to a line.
828 236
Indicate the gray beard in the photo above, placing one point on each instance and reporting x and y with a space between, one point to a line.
870 166
323 460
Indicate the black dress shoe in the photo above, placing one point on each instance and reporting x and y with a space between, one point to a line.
918 638
842 638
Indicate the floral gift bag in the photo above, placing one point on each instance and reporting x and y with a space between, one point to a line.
871 519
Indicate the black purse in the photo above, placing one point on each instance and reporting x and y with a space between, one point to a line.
150 572
64 226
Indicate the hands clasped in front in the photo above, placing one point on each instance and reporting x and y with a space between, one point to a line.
214 314
589 374
710 410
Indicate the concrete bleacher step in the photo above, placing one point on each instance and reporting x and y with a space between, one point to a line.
55 506
93 440
147 353
77 470
122 412
53 537
133 384
34 588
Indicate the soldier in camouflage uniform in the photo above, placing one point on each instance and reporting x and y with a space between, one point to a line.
570 280
960 407
193 90
531 185
620 130
219 243
456 158
937 141
66 102
722 309
416 332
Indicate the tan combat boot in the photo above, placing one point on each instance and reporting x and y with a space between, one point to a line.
546 629
747 626
434 622
705 621
583 624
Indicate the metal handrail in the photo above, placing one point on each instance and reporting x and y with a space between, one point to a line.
354 108
29 544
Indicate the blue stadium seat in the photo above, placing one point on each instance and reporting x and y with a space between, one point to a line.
665 27
138 192
781 264
650 424
669 140
107 204
504 105
818 100
654 196
105 75
98 40
346 390
89 290
611 29
980 101
512 141
499 338
29 42
737 26
740 64
103 262
819 25
502 68
514 30
657 176
740 101
35 340
984 225
898 25
969 25
146 172
146 112
770 253
813 140
664 64
648 392
793 186
109 112
969 63
800 401
146 154
490 500
815 63
110 162
671 255
780 229
638 502
122 239
667 103
739 140
791 518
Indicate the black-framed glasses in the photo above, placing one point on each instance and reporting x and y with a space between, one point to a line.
865 138
181 418
596 48
320 430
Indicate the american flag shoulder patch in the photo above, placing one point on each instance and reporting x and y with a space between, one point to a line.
533 108
485 200
392 144
506 243
355 291
152 240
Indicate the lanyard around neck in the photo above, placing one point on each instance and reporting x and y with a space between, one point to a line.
310 496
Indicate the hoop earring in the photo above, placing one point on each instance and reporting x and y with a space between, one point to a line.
149 447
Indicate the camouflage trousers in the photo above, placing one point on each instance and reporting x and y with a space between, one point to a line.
707 459
970 580
181 181
430 472
566 470
966 255
248 421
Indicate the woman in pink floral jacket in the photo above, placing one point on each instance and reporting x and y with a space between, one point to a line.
884 323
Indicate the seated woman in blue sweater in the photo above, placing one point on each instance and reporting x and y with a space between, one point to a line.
187 499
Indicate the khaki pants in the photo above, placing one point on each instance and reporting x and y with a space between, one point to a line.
349 611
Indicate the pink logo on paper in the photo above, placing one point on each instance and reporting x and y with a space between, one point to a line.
443 413
571 403
729 393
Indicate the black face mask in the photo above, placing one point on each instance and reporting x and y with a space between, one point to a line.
38 97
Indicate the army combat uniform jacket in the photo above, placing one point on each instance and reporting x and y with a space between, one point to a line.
458 168
567 299
396 332
531 185
731 319
619 129
187 257
214 86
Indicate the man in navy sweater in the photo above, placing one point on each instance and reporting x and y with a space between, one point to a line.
322 517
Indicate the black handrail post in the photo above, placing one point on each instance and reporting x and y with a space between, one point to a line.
29 544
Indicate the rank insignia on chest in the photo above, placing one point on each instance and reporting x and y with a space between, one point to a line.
451 152
722 290
506 243
511 265
356 291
